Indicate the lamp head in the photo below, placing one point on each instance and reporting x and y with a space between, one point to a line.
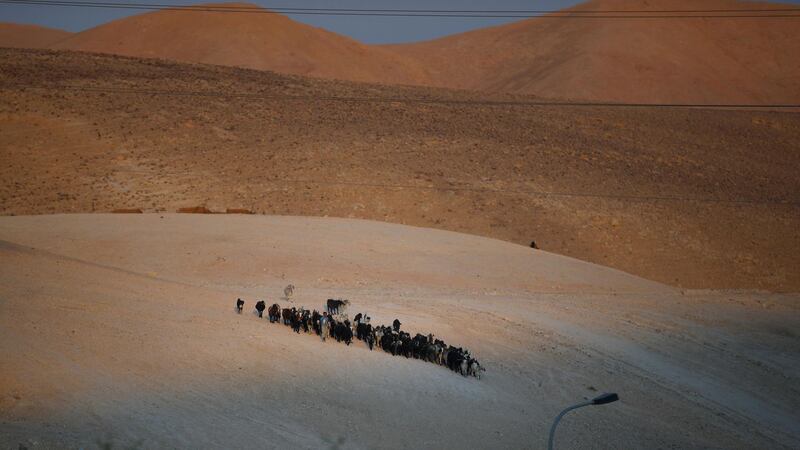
605 398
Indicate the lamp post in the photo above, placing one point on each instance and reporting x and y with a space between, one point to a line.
600 400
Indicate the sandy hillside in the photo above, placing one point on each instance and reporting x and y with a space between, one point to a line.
625 60
121 329
609 185
691 60
29 36
256 41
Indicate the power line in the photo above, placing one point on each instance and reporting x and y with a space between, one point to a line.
509 14
418 100
466 11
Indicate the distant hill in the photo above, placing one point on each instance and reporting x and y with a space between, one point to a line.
687 60
29 36
256 41
627 60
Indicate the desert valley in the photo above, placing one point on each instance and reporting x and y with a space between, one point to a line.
654 163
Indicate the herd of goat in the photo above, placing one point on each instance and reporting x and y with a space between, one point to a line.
391 339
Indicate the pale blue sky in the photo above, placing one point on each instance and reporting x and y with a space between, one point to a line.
365 29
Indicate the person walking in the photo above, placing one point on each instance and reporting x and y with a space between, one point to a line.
295 321
369 335
323 322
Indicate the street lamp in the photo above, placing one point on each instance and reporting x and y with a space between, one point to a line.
600 400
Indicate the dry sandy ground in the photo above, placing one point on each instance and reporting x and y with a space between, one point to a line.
121 329
456 163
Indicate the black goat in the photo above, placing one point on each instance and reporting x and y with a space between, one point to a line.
260 307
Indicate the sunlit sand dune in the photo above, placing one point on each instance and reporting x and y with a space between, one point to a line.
121 328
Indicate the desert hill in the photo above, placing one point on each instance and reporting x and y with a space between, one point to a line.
614 186
256 41
626 60
691 60
121 330
29 36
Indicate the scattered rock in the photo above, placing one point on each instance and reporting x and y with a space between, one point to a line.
238 211
195 210
127 211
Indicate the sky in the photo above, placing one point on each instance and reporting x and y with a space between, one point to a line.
372 30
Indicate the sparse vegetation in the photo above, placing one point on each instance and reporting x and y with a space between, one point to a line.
472 168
